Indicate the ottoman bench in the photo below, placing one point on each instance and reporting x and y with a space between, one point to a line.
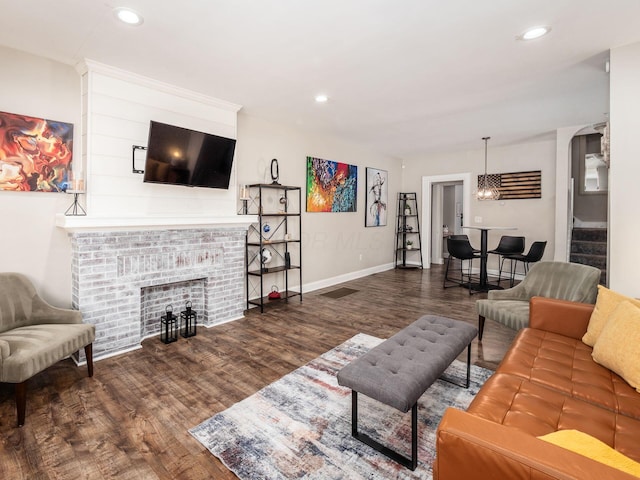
399 370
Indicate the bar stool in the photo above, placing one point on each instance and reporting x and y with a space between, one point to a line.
507 246
462 250
464 237
535 253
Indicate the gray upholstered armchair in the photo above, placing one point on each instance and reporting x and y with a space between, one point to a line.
34 335
562 280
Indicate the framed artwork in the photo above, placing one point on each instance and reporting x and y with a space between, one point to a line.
331 186
375 214
35 153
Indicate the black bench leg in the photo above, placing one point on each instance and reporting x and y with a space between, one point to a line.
410 463
467 383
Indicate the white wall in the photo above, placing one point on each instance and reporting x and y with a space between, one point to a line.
533 218
33 245
333 243
30 242
117 108
624 174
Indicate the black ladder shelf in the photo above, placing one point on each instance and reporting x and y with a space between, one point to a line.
408 245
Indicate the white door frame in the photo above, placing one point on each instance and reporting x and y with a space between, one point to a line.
427 184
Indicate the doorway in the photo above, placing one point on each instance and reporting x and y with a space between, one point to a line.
589 205
445 201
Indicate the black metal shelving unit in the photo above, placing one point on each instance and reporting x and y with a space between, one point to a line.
408 244
277 235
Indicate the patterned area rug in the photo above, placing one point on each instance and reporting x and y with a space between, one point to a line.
300 426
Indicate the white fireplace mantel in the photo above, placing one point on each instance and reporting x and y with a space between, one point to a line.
87 223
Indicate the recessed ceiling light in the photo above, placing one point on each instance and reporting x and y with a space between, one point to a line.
128 16
321 98
535 32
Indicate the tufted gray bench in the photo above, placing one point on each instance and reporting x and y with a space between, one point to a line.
399 370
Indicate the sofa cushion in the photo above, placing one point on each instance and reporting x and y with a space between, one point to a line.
36 347
618 346
565 364
606 303
586 445
537 410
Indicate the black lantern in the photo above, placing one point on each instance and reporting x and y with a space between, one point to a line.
168 326
188 320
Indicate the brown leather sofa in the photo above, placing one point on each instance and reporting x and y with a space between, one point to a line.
546 382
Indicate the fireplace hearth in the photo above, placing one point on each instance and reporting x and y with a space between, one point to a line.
123 280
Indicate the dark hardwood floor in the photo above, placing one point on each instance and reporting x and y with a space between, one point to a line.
130 420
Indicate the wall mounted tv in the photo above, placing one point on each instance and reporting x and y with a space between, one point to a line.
179 156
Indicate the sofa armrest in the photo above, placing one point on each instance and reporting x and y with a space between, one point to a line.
560 316
5 351
44 313
472 447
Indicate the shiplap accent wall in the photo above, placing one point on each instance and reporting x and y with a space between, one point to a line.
117 107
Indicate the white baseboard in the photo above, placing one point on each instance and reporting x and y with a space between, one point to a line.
328 282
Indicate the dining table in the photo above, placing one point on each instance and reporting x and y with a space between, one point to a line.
483 285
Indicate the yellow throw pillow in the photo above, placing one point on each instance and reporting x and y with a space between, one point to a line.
588 446
606 303
618 347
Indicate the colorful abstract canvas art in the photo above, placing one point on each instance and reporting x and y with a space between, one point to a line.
331 186
35 154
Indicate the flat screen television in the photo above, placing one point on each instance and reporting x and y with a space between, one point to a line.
179 156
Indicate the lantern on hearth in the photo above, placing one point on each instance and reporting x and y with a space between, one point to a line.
188 320
168 326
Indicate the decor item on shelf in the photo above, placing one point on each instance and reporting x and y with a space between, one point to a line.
486 190
274 294
265 258
284 201
376 198
287 260
244 198
188 321
168 326
409 245
266 228
275 172
331 186
407 209
76 189
36 154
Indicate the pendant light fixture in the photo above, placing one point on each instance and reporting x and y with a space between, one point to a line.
486 191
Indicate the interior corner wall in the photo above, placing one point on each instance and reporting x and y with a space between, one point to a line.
336 246
533 218
624 194
30 242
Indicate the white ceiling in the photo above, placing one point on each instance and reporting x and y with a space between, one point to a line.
404 76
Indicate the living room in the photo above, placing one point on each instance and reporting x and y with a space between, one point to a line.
336 247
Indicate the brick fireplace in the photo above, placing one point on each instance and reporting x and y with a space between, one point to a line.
123 279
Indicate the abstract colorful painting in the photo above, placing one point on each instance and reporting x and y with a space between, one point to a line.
35 153
376 198
331 186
